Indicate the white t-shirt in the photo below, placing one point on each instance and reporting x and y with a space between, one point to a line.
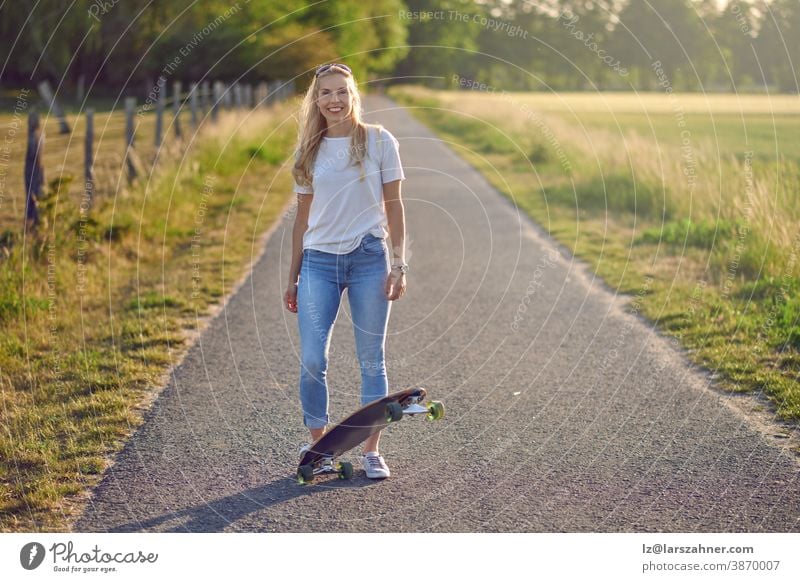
345 208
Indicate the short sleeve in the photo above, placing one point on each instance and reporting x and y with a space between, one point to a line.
298 189
391 167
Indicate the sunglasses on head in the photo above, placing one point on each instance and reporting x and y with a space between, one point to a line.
324 68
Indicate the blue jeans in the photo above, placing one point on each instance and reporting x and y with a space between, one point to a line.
323 278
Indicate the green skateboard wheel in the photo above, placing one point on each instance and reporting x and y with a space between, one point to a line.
345 470
305 474
394 412
435 410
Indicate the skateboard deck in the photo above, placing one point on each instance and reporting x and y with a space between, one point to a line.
358 427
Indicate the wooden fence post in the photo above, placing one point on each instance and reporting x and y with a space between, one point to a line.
47 94
88 158
176 107
216 101
160 101
205 95
270 93
226 97
237 95
193 89
130 135
34 171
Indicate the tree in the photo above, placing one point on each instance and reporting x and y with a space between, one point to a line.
666 32
734 32
583 36
778 43
361 31
440 47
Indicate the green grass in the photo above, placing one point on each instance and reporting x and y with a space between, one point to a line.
703 234
730 134
84 351
723 253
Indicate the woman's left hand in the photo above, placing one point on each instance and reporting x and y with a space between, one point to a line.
395 285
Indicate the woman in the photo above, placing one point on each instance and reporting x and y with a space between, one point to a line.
347 179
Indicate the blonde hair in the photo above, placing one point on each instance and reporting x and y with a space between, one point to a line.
312 126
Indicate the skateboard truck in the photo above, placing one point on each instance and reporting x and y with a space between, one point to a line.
308 472
414 409
396 411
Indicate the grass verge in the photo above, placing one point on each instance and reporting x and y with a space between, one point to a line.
705 236
97 306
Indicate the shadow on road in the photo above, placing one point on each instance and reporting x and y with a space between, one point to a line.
216 516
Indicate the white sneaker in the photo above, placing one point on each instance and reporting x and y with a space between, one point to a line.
375 466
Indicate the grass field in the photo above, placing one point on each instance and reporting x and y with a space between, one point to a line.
701 193
97 305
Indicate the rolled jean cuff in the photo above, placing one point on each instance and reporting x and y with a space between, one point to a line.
369 398
315 421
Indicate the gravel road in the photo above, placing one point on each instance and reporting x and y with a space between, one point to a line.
565 410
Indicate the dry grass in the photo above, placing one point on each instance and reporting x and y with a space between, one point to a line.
700 192
96 307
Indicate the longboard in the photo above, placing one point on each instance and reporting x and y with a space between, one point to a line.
358 427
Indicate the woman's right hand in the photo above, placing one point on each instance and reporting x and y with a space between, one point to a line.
290 297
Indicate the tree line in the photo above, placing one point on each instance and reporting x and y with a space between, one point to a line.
742 45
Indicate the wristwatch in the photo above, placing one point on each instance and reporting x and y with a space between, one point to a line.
402 267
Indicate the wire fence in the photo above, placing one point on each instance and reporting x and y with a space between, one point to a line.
109 149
